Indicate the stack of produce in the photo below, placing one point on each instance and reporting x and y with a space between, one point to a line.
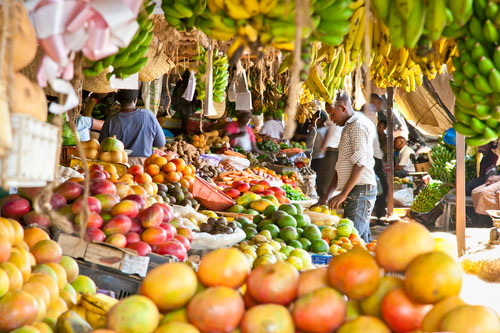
68 139
182 15
353 293
293 144
344 237
175 193
476 81
216 226
184 150
266 174
220 75
111 150
306 171
254 196
268 145
131 59
443 163
210 141
294 193
165 170
227 178
429 196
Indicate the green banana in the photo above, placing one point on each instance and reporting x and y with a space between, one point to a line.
471 89
463 129
461 9
459 77
480 9
476 29
135 68
491 10
482 84
183 9
396 27
494 80
90 72
415 26
435 21
405 7
150 9
485 65
469 42
170 11
491 123
490 32
490 134
322 4
478 52
495 113
382 8
108 61
496 57
462 117
120 60
470 70
477 125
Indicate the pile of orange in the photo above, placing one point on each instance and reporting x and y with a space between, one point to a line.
167 169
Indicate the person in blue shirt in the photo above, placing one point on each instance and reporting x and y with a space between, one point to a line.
137 128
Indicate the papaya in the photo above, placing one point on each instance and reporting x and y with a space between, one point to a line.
260 205
111 144
244 200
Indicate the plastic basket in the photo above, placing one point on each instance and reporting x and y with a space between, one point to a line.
122 285
210 197
321 259
34 143
66 153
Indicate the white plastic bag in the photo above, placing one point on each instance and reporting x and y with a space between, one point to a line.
188 212
206 241
191 87
404 197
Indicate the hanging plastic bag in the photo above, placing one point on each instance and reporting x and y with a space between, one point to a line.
191 88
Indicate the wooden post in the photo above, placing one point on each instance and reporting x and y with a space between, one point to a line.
460 189
390 152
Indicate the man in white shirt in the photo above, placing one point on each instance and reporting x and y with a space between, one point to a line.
354 175
404 152
272 127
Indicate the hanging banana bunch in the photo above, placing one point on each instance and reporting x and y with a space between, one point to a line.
182 14
220 75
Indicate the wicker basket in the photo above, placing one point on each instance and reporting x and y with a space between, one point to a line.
98 84
31 70
158 63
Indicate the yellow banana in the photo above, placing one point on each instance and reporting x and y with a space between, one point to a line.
95 320
252 6
98 303
236 10
215 5
265 6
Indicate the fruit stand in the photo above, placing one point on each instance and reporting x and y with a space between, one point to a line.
201 235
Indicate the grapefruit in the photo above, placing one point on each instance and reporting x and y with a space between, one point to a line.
18 308
401 313
354 273
216 309
470 318
170 286
306 314
267 318
401 243
276 283
312 280
438 311
364 324
133 314
433 276
226 267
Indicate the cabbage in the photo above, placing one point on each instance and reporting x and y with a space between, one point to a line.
67 135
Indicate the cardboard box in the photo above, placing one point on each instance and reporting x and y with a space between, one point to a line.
125 260
422 167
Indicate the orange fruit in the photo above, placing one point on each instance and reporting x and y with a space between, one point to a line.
169 167
179 163
193 169
160 161
184 182
153 169
34 235
187 171
151 159
159 178
143 178
173 177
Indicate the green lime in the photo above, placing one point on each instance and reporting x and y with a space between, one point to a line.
306 243
300 231
256 219
266 234
250 232
250 225
295 262
312 232
289 208
272 228
288 234
250 212
236 209
238 224
243 220
268 212
344 230
295 243
345 220
299 208
278 214
303 220
286 250
287 221
263 223
319 246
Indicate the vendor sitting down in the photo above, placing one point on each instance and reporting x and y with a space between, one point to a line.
138 129
403 161
240 134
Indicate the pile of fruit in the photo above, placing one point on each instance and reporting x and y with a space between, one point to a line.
164 168
443 162
429 196
131 59
344 237
353 293
293 193
256 195
268 145
399 180
227 178
182 15
220 75
210 140
476 81
184 150
111 150
306 171
265 173
293 144
175 193
216 226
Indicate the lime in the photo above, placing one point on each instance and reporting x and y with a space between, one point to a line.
299 208
345 220
288 234
288 208
257 218
319 246
344 230
287 221
250 225
303 220
295 262
238 224
263 223
272 228
302 254
250 212
300 231
312 232
278 214
250 232
295 243
306 243
268 212
236 209
286 250
243 220
266 234
316 209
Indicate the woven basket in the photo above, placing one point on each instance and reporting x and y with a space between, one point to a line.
158 63
97 84
31 70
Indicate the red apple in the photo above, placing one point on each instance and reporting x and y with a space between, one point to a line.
173 247
95 234
142 248
185 242
154 235
170 229
136 170
186 233
57 201
152 216
70 190
132 237
119 224
243 187
15 208
137 198
100 186
236 184
93 203
264 183
36 218
233 193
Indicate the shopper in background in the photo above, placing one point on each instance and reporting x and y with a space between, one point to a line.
354 176
487 168
382 137
315 138
272 127
85 124
403 163
240 134
138 129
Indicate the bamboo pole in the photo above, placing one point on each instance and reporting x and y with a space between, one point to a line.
390 152
460 197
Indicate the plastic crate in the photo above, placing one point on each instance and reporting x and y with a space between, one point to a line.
209 196
122 285
321 259
34 143
66 153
